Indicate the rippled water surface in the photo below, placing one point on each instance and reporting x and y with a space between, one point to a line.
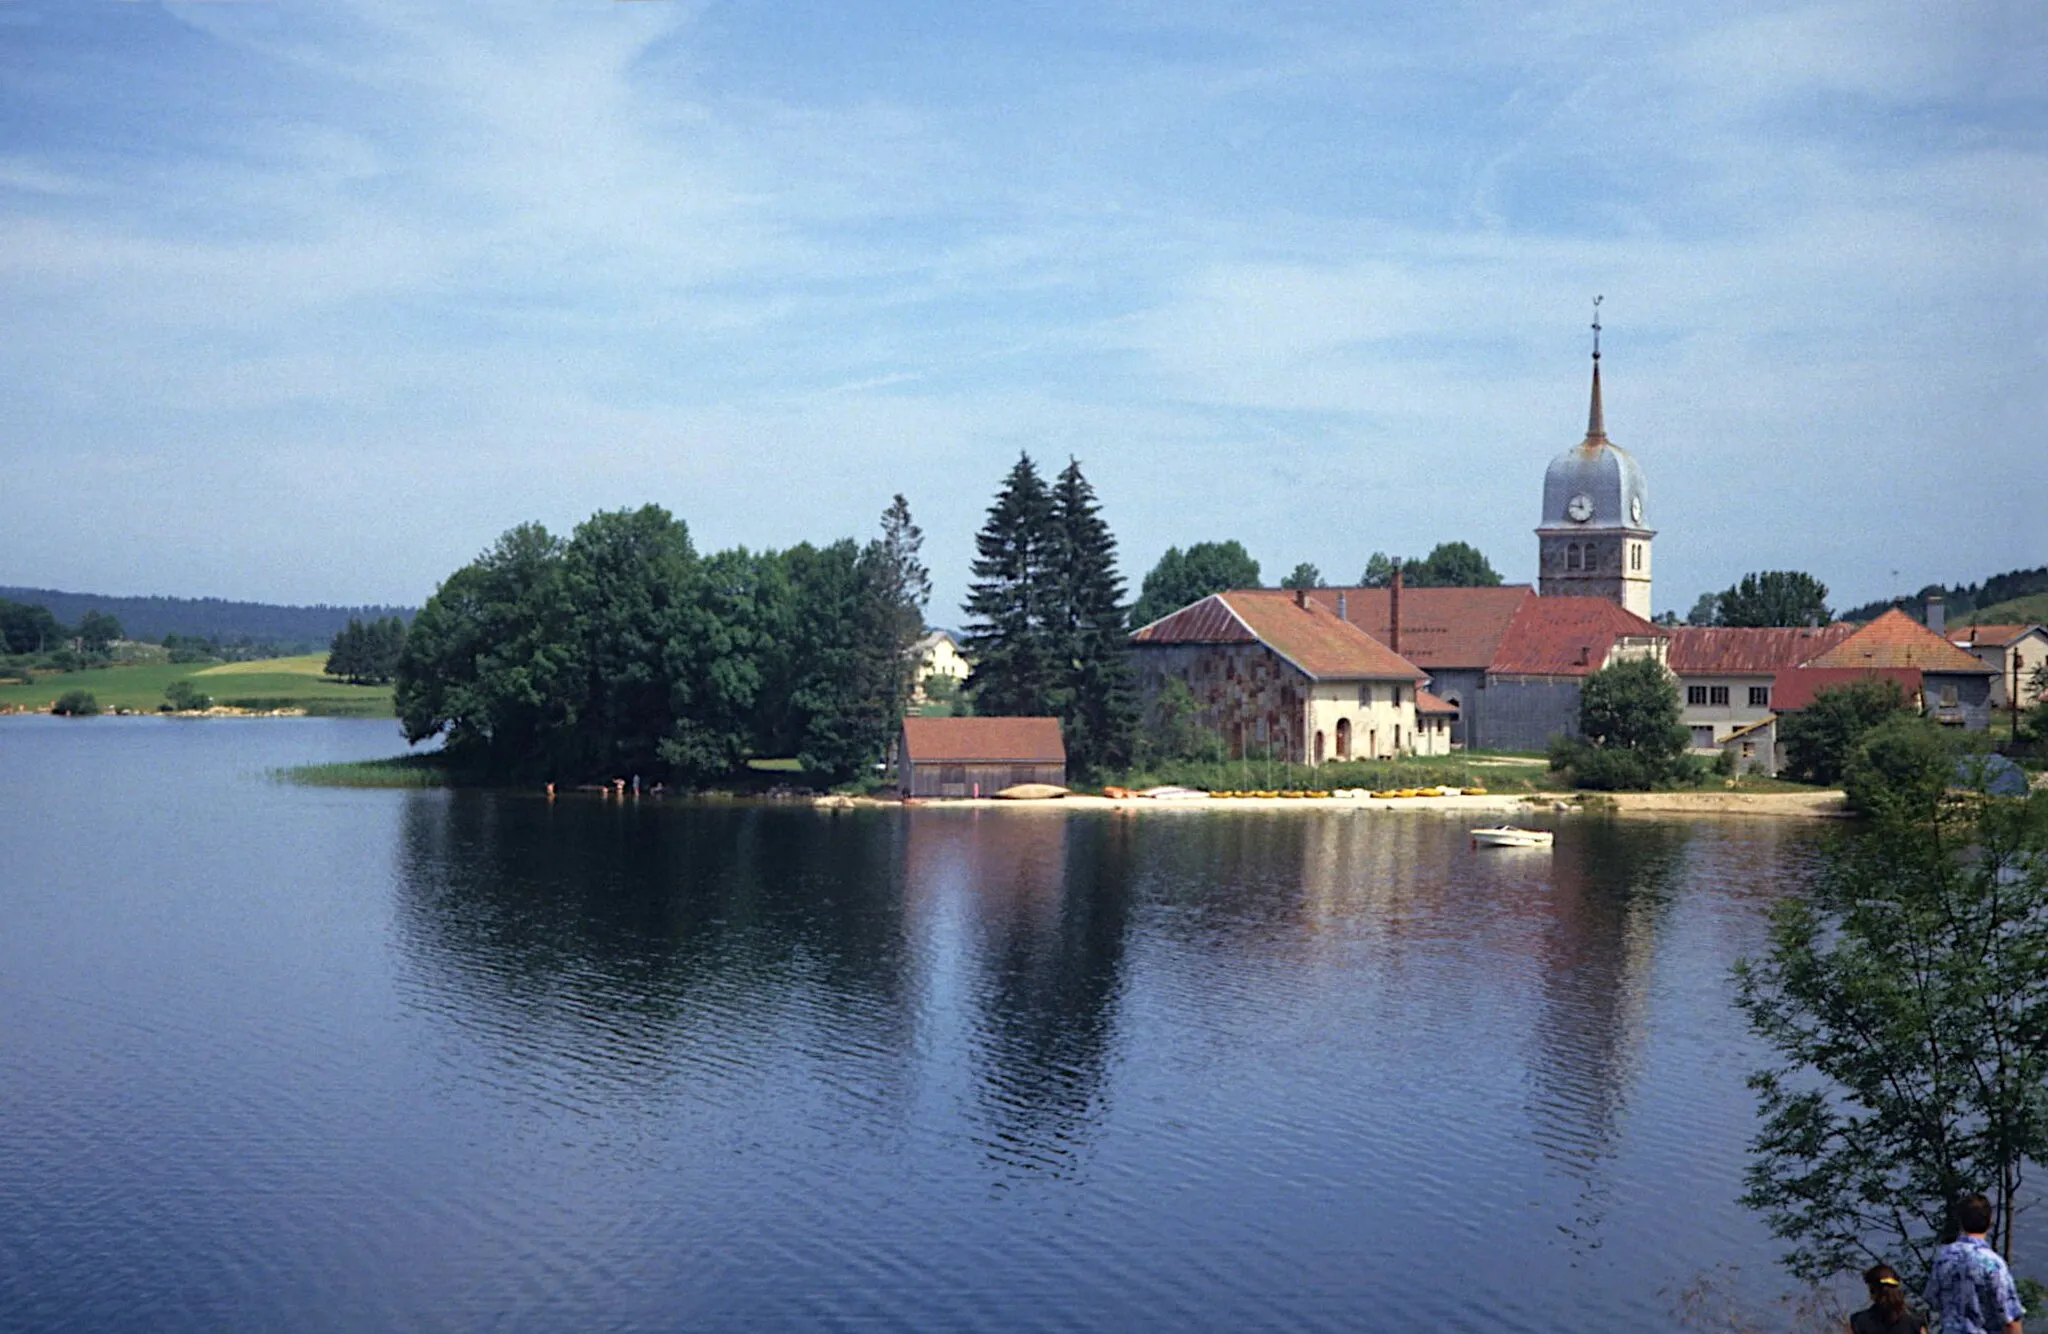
284 1058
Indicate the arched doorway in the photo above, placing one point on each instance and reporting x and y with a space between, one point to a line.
1319 747
1343 738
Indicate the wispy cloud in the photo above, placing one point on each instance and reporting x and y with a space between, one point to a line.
290 275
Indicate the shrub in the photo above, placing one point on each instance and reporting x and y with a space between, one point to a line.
1905 760
1821 739
75 704
184 697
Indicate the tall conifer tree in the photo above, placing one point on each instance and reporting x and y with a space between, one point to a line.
1094 691
1013 656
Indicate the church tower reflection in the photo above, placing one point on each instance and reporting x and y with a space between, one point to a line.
1610 888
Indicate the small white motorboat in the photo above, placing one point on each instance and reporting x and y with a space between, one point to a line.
1508 836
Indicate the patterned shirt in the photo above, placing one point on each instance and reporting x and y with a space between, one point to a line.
1971 1290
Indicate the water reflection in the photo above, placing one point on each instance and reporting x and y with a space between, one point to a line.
625 946
1610 885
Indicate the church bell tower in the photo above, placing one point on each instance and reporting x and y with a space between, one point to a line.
1594 540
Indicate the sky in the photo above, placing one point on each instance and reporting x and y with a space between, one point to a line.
308 302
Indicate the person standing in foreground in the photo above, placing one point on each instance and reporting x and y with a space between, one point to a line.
1969 1289
1887 1313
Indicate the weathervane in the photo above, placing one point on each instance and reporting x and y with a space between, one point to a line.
1596 326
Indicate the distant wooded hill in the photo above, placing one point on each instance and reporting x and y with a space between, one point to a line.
1962 599
151 618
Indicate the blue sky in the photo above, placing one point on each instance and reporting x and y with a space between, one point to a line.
308 302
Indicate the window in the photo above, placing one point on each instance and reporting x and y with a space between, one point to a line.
1717 695
1343 738
1749 750
954 774
1759 697
1571 556
1702 738
1397 738
1397 697
1695 694
1635 555
1948 697
1365 694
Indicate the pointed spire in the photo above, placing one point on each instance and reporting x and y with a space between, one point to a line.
1596 420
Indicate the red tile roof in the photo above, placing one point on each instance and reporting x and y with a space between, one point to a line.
983 740
1311 637
1794 689
1729 651
1440 627
1990 636
1563 636
1426 703
1897 640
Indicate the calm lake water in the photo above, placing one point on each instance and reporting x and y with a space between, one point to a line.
284 1058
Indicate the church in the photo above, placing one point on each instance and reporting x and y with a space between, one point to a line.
1501 668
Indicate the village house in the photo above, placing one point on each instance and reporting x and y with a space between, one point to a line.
1275 673
1955 686
936 654
1727 675
1507 662
2014 653
978 757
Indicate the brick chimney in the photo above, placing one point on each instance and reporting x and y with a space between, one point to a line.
1394 612
1937 614
1343 606
1301 598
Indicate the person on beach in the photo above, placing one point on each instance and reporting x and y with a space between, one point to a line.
1969 1289
1887 1313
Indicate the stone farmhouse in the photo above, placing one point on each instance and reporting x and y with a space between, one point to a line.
1274 672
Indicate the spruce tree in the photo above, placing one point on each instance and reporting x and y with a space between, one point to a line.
1093 693
900 588
1007 637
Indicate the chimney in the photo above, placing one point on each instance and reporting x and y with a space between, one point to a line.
1343 607
1937 614
1301 598
1394 611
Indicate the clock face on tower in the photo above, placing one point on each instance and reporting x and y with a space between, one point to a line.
1580 508
1635 509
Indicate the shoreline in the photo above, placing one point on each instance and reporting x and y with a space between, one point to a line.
1818 805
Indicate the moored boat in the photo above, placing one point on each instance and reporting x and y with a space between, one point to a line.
1509 836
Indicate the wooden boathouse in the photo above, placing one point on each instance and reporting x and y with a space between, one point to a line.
978 757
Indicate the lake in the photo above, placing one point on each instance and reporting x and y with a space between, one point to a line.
275 1057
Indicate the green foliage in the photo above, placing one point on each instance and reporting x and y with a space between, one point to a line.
1172 729
1705 610
1991 601
367 654
1629 737
1905 998
97 632
1904 758
26 628
1093 692
1302 576
1049 629
1821 739
621 651
182 696
1253 773
1009 599
1774 597
1449 565
75 704
947 697
1182 577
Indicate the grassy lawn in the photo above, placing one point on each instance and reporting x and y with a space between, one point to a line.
274 683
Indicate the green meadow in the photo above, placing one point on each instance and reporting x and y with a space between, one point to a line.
272 683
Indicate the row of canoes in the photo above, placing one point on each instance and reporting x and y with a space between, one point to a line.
1346 793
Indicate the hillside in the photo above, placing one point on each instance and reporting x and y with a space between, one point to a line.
1965 601
151 618
275 683
2031 610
